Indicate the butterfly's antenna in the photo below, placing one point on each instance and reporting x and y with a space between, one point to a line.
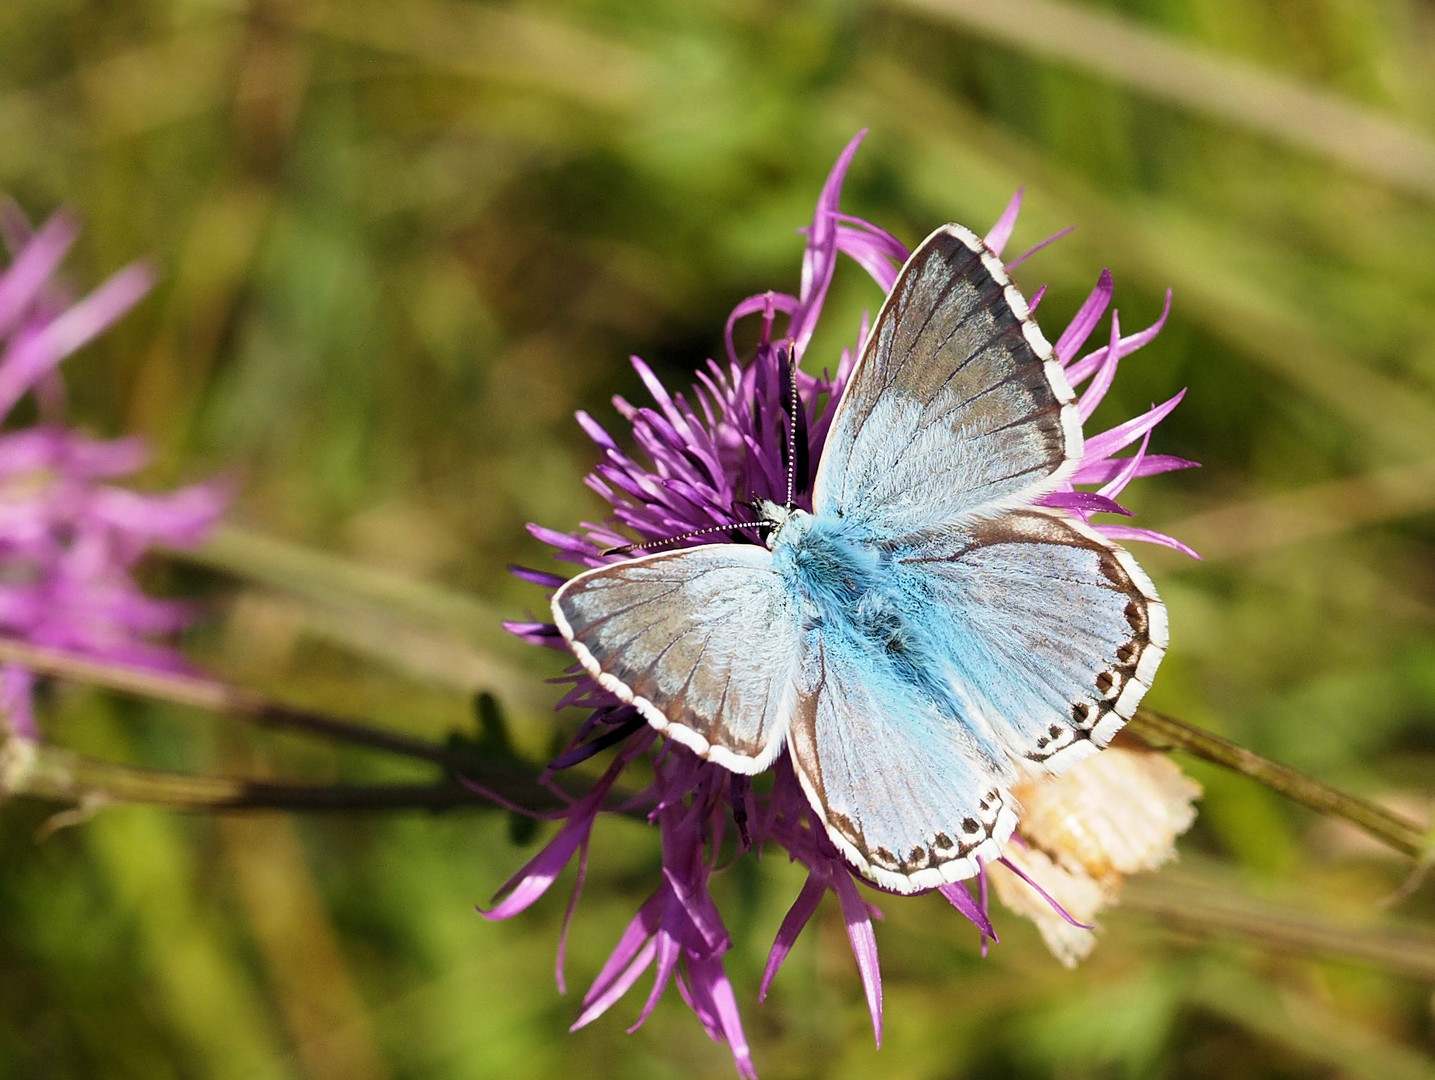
795 420
653 545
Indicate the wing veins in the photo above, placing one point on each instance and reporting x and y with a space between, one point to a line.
677 584
1014 377
983 347
631 607
1028 418
890 373
686 631
634 637
975 309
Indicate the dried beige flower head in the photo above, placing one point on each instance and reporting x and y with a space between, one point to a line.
1116 813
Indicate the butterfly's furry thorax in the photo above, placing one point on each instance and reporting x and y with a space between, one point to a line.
852 590
825 562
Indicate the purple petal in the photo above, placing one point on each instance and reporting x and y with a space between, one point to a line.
618 732
663 398
595 432
983 902
536 577
1029 252
1122 435
1105 469
633 953
960 897
31 449
539 873
97 312
1082 369
35 265
1105 373
562 953
713 1001
793 923
1087 502
880 237
696 904
595 1005
536 632
182 518
1001 232
875 250
820 259
1125 476
1019 872
1146 536
768 303
102 460
668 952
573 547
32 354
524 888
1080 327
864 945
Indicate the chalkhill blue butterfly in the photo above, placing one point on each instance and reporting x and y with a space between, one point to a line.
929 632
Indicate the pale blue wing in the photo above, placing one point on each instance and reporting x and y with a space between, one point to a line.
905 786
957 407
703 641
1019 644
1052 631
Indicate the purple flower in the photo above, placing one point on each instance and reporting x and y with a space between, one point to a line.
701 455
69 538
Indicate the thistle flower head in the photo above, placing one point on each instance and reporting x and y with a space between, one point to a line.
69 538
698 456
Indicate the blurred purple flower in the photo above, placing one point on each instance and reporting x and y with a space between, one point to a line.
69 539
705 454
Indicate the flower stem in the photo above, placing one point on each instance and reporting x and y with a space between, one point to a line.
1185 901
203 693
1167 733
49 772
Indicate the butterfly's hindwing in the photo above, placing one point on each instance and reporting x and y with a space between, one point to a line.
957 407
1054 629
703 641
909 800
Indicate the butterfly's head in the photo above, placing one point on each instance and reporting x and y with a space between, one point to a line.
774 517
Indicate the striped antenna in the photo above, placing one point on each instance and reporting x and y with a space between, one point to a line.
654 545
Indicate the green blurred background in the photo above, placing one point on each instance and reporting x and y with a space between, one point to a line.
401 241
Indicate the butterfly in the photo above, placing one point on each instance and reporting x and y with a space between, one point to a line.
928 633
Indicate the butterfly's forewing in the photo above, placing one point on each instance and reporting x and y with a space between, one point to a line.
703 641
1050 628
957 407
908 793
